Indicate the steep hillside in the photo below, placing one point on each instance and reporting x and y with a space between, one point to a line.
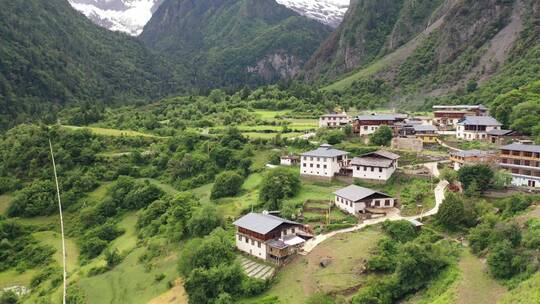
370 29
234 42
433 48
50 55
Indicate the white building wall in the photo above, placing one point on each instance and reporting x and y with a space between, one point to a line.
368 129
474 135
525 181
355 208
364 172
286 162
320 166
251 246
325 122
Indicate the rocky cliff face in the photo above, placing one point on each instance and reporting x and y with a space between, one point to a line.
234 42
420 44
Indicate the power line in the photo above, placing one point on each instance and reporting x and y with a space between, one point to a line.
61 223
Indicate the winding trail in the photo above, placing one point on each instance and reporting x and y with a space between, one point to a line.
439 197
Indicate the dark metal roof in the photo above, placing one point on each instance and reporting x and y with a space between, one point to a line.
371 161
500 132
355 193
473 153
522 147
479 121
325 150
424 128
261 223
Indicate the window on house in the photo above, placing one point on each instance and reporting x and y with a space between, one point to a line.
324 166
304 164
380 169
258 244
239 237
247 240
311 165
387 203
293 231
365 168
372 169
252 242
318 166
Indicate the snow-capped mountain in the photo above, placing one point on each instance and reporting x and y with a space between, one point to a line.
130 16
329 12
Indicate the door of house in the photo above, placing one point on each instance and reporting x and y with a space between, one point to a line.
532 183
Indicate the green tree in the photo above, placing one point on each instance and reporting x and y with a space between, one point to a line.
480 175
277 185
500 259
228 183
381 137
452 212
401 231
204 220
9 297
449 175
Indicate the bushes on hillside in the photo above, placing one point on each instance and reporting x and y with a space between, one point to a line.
476 178
36 199
227 184
381 137
277 185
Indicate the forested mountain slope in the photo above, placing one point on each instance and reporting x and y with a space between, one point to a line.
51 56
234 43
427 48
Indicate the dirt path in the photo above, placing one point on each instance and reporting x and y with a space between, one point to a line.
476 287
439 197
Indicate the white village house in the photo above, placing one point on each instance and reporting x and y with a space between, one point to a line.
476 127
379 165
323 162
523 163
268 237
334 120
355 199
289 160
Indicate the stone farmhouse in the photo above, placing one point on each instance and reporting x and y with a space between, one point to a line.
368 124
447 116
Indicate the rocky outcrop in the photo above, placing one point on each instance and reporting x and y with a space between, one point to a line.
277 66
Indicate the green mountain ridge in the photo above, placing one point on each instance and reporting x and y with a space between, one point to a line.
232 43
52 56
446 48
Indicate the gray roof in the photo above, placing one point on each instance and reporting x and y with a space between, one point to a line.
472 153
325 150
522 147
479 121
377 117
460 107
499 132
261 223
424 128
384 154
355 193
371 161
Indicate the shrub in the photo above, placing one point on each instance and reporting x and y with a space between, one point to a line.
452 212
476 176
401 231
227 183
278 184
499 260
381 137
204 220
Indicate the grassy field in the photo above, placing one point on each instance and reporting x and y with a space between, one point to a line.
112 132
259 135
13 278
5 201
129 282
527 292
305 277
464 283
127 241
476 286
53 239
